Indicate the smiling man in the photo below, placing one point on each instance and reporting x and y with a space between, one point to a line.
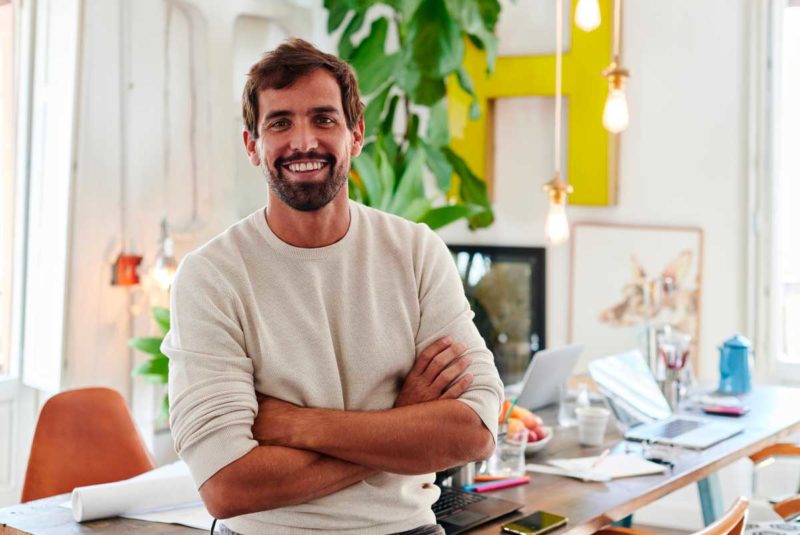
323 359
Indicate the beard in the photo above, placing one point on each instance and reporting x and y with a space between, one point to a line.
307 196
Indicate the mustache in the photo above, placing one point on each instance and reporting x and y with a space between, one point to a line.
298 156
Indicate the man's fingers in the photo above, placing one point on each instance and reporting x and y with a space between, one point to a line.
450 373
429 352
458 387
442 361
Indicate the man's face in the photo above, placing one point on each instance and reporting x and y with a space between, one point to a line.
304 146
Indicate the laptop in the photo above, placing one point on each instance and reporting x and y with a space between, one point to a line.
636 400
548 370
457 510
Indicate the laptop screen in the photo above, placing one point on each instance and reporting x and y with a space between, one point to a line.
627 380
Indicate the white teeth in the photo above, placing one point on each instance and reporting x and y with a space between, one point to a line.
305 166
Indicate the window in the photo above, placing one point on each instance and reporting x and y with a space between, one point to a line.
787 177
7 182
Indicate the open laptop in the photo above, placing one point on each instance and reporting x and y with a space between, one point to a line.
547 371
636 399
458 510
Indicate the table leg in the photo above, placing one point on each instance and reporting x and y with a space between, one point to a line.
625 522
710 492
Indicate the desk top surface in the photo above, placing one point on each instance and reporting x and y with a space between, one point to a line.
774 415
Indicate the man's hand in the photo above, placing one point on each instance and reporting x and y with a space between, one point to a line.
273 421
437 374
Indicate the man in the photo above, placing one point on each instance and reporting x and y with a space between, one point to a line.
350 325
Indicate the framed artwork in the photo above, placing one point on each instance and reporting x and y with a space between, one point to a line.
626 278
591 152
505 287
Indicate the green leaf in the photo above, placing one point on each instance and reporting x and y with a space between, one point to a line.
410 186
472 191
412 130
439 166
406 7
356 191
387 177
436 45
478 19
374 111
371 64
161 315
337 11
345 41
147 344
388 120
465 81
368 172
490 12
164 411
387 144
438 131
417 209
429 91
155 370
444 215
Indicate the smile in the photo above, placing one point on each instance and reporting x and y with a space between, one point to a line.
305 166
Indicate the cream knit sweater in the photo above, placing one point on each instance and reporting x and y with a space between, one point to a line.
335 327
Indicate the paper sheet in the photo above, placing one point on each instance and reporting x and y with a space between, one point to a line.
166 494
613 466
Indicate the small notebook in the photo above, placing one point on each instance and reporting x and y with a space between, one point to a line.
613 466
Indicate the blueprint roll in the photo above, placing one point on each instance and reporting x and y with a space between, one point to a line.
167 487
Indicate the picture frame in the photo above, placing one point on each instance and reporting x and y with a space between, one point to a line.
628 280
505 287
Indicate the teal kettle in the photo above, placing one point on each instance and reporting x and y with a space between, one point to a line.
735 365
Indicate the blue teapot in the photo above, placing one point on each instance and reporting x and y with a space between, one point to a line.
735 365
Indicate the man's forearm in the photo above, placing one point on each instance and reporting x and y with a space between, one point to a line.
415 439
269 477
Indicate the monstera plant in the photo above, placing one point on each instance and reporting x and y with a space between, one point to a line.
406 88
156 368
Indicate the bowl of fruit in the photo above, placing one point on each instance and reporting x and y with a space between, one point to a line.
539 435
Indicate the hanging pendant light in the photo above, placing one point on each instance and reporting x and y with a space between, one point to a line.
165 265
615 112
556 227
587 15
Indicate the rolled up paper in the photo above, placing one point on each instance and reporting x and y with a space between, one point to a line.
169 486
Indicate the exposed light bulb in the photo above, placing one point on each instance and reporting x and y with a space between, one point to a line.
165 265
556 226
587 15
615 113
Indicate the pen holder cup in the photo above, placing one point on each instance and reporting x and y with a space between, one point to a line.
592 423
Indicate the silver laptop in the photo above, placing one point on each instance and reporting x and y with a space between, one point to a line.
636 399
547 371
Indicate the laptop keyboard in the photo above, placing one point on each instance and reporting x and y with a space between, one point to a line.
453 500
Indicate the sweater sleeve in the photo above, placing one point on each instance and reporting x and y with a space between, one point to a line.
445 311
211 392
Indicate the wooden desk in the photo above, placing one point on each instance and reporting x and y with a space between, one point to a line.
774 416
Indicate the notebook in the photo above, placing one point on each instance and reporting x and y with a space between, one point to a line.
612 467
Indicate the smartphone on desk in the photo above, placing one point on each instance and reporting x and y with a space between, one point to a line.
535 524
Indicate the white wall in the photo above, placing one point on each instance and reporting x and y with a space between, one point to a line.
682 159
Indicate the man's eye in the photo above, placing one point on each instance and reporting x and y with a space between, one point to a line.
324 120
282 123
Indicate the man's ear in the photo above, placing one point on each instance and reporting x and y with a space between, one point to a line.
250 147
358 138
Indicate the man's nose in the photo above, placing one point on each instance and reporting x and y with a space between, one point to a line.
304 139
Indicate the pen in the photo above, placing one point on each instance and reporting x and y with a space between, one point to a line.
482 478
496 485
600 459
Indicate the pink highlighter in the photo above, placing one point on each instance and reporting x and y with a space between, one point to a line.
496 485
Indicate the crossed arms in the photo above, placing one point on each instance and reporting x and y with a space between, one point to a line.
307 453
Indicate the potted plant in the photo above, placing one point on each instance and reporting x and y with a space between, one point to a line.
156 369
407 88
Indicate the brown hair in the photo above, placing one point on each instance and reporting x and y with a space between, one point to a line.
283 66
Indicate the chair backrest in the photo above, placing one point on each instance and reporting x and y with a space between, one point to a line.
788 508
732 522
83 437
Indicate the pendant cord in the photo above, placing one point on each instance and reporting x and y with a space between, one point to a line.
559 46
617 9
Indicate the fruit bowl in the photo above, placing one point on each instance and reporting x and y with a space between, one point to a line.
539 445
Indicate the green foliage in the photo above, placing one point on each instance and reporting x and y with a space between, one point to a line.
430 37
156 369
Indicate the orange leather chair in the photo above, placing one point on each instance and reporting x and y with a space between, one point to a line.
83 437
731 523
789 509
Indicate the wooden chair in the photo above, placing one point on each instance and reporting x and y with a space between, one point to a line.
775 450
731 523
83 437
789 509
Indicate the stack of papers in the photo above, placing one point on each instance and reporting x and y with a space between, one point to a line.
166 494
611 467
